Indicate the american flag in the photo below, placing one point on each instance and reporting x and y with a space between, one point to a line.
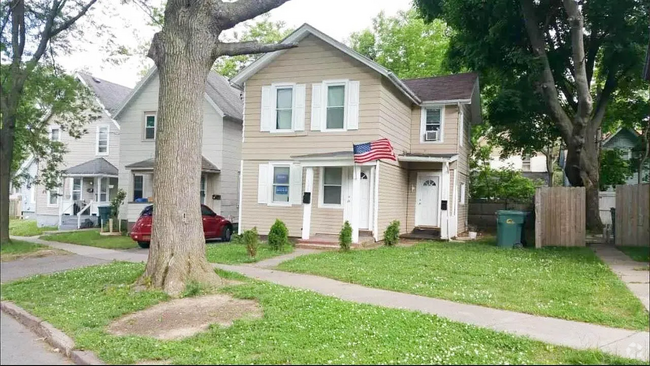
374 150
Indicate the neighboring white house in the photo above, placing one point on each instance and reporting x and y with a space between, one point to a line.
624 139
89 166
221 146
26 192
533 167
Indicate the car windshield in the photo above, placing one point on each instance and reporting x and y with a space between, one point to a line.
148 211
205 211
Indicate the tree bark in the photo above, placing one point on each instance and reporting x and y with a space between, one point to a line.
6 157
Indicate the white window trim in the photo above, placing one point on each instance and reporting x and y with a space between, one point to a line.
49 204
203 187
463 193
101 186
321 189
133 187
326 85
144 125
272 166
54 127
276 86
423 123
108 139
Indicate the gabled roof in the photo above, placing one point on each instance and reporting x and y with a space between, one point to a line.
224 98
629 131
457 87
110 95
206 165
95 167
306 30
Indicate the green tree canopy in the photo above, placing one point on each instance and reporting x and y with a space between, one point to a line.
405 44
614 168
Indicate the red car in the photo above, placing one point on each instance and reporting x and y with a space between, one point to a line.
214 226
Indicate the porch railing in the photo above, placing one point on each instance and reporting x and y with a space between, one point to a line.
63 210
86 207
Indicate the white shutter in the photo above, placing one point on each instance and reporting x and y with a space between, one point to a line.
353 105
295 190
266 119
299 107
316 106
263 184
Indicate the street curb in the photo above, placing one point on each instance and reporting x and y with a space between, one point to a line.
51 335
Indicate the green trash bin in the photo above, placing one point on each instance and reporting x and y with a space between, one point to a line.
509 228
104 214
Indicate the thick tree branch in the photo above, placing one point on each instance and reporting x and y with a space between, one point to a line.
568 95
68 23
229 15
585 103
592 52
603 98
247 48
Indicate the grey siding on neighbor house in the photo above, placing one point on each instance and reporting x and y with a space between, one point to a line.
625 141
232 141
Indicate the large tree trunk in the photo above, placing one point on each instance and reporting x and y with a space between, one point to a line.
6 157
177 252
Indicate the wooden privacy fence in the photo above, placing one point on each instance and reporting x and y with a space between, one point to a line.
632 222
560 216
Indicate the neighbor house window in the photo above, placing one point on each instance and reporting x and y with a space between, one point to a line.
281 175
138 187
283 108
76 189
462 193
52 197
432 124
102 140
203 189
55 134
149 126
332 186
335 118
103 190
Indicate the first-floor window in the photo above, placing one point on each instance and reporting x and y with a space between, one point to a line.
76 189
203 189
462 193
281 184
55 134
138 186
103 190
332 185
53 197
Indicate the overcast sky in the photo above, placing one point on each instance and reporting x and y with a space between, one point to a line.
337 18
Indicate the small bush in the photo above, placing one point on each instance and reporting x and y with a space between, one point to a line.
193 288
250 238
391 235
279 235
345 237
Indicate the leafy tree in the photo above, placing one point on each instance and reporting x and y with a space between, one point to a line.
27 34
557 63
264 31
184 51
614 168
405 44
507 185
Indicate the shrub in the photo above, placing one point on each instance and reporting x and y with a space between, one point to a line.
345 237
391 235
193 288
279 235
251 240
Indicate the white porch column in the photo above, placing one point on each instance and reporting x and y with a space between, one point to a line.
356 201
306 207
444 195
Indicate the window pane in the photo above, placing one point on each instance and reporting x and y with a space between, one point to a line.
151 121
53 197
284 98
280 193
284 120
336 96
137 187
335 117
281 175
433 115
332 195
149 133
55 134
332 176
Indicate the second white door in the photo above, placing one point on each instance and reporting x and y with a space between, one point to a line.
426 205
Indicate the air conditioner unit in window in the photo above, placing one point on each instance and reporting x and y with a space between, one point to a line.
431 136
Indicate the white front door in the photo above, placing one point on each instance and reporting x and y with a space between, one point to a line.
426 205
364 202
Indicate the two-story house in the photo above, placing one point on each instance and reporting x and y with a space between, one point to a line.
89 166
221 146
306 106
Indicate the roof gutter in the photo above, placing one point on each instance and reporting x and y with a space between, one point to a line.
427 159
400 84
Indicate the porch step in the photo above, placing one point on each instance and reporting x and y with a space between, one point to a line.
331 241
69 222
423 233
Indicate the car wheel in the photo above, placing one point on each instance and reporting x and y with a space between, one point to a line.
227 233
144 244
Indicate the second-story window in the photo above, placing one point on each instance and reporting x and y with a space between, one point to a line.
284 108
150 126
102 140
335 117
432 124
55 134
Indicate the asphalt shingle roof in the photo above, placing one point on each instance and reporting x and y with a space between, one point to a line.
225 96
206 165
110 94
449 87
99 166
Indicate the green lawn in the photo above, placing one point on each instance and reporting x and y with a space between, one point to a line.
298 327
639 254
568 283
17 248
27 228
92 238
234 253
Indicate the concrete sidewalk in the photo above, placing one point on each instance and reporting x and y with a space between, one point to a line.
621 342
637 281
273 262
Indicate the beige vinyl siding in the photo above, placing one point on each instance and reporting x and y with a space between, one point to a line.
393 191
395 117
323 220
464 155
313 61
449 144
463 209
